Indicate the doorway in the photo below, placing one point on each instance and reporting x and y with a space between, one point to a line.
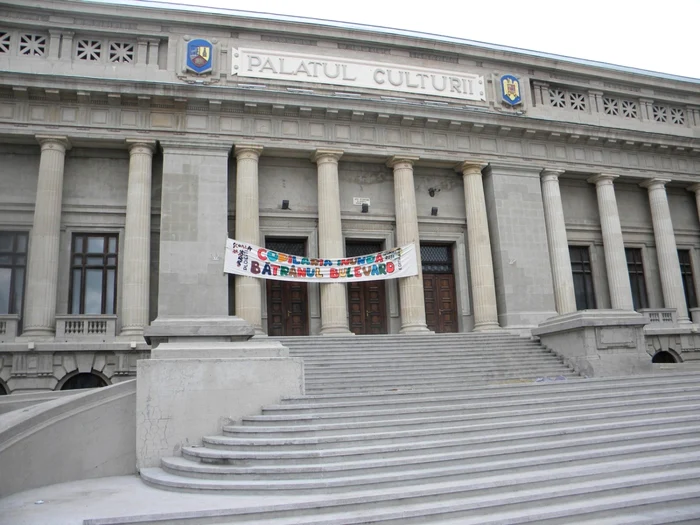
287 305
439 288
366 300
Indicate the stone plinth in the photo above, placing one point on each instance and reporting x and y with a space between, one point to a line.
205 373
598 343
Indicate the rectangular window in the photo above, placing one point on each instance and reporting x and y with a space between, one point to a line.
691 300
635 269
583 277
93 287
13 264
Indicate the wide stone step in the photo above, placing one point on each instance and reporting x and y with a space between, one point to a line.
429 425
502 391
317 377
479 473
544 400
220 449
427 364
351 463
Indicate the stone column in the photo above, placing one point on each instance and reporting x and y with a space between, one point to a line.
560 261
136 261
666 251
480 260
248 300
334 305
42 268
613 244
410 288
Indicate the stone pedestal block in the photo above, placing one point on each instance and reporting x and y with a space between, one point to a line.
180 400
205 373
598 343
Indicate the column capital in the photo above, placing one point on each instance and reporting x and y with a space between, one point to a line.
602 178
248 151
471 167
326 155
53 142
695 188
141 146
654 183
396 160
551 174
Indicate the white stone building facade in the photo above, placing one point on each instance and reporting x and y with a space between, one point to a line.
123 171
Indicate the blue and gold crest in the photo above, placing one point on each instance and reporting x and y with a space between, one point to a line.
511 90
199 56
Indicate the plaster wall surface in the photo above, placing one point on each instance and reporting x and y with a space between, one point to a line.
447 192
292 179
367 180
96 178
19 173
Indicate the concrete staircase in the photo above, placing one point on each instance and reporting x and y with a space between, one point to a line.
398 362
394 433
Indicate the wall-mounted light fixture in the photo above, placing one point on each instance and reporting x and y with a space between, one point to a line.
365 207
285 204
434 211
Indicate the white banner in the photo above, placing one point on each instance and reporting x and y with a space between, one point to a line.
282 65
254 261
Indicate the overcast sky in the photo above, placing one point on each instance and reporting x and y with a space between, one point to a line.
661 36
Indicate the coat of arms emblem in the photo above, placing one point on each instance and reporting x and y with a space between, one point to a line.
511 90
199 56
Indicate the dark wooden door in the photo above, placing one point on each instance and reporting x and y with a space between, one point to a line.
287 311
439 288
366 300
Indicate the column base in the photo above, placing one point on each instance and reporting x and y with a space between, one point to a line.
484 327
37 334
332 330
131 333
415 329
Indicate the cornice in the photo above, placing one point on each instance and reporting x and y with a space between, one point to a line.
370 111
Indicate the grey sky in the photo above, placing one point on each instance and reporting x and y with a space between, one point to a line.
658 36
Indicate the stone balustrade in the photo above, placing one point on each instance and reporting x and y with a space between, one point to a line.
86 327
9 324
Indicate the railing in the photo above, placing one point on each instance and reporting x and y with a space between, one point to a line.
8 327
660 317
86 327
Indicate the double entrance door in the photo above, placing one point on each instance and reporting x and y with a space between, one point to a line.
287 304
366 300
287 301
439 287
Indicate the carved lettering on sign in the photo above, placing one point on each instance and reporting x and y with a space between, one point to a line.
355 73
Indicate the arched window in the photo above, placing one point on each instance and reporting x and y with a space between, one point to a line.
663 357
83 380
3 389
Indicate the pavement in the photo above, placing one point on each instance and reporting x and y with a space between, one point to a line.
71 503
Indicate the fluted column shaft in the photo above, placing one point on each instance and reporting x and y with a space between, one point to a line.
136 262
410 288
42 268
480 259
560 260
666 250
613 243
334 306
248 300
